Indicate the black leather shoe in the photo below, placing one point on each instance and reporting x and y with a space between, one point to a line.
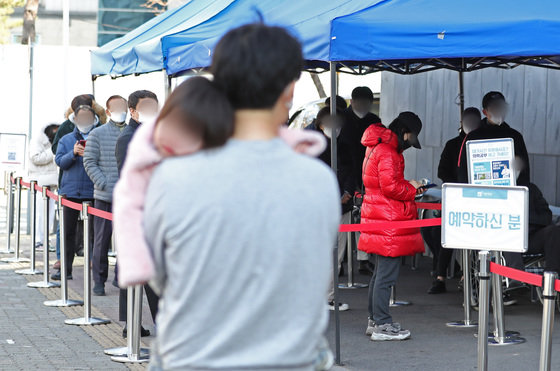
438 287
143 332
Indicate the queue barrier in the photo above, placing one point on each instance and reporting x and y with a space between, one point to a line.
490 270
551 284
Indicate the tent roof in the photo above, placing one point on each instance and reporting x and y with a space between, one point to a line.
410 36
308 21
139 51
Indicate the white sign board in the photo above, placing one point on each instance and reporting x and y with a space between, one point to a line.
491 162
494 218
12 151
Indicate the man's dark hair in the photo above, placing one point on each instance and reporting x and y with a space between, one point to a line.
253 64
204 110
81 100
135 97
362 92
472 111
85 108
340 103
114 97
492 97
50 131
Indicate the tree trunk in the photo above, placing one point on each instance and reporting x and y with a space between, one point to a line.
318 85
29 16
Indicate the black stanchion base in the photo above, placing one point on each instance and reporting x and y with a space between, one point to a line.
462 323
355 285
83 321
63 303
43 284
29 272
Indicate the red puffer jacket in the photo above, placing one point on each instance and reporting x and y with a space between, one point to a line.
389 197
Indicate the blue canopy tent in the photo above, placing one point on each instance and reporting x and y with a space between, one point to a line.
139 51
309 22
412 36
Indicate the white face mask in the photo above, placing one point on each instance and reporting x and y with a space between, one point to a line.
84 129
145 118
328 131
118 117
360 114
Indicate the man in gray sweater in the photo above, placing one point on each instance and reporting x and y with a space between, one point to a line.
101 166
242 235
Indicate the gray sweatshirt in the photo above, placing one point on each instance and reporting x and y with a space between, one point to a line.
100 161
242 239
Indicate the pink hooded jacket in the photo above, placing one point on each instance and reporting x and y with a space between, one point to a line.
135 261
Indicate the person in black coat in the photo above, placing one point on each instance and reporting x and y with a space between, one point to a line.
143 106
357 118
447 172
493 126
543 235
331 126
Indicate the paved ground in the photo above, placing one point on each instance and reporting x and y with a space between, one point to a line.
33 336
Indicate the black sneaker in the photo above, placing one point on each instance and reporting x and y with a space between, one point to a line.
508 300
99 289
438 287
143 332
365 268
341 306
56 276
80 252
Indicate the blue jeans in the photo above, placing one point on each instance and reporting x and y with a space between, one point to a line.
58 242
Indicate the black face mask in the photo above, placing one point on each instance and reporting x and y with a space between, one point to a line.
406 145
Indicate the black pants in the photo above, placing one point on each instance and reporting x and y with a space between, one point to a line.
101 243
153 300
71 224
546 241
442 256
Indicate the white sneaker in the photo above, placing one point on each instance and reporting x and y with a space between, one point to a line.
370 326
389 331
341 306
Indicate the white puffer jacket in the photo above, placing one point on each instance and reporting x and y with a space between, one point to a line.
42 167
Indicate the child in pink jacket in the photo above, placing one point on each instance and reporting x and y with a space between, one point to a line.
196 116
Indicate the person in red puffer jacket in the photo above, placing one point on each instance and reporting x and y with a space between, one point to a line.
388 197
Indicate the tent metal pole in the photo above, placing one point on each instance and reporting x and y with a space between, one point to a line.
335 250
167 82
93 85
461 94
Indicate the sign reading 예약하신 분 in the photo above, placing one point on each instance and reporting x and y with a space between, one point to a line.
479 217
491 162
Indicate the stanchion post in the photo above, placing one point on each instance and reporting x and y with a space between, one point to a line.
64 301
500 336
467 287
132 353
549 299
87 319
9 214
45 282
350 256
32 268
483 310
393 302
17 258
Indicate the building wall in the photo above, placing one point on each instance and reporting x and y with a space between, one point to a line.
532 95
